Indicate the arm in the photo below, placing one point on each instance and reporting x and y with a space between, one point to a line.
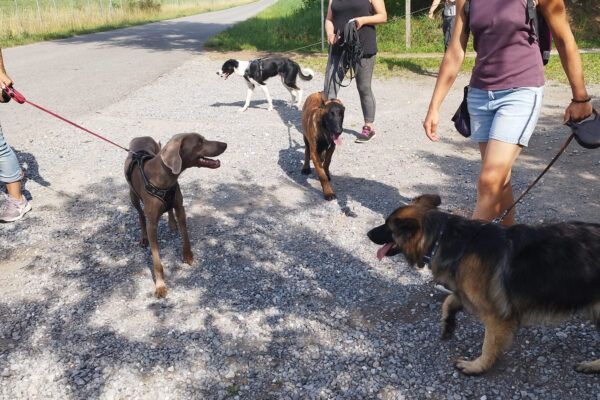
4 78
555 14
329 29
380 16
434 5
453 59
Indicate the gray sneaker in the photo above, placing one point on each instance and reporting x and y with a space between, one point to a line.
12 210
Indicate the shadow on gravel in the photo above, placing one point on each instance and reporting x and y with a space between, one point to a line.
274 304
174 35
569 191
371 194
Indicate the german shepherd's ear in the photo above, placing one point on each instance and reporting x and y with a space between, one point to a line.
170 154
405 228
428 200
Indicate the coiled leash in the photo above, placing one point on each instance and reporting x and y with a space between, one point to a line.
351 54
19 98
587 134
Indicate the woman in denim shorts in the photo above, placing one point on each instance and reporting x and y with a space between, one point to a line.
15 205
506 88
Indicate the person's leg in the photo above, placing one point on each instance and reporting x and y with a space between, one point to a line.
11 174
494 189
364 76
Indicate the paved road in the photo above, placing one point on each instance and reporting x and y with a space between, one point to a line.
79 75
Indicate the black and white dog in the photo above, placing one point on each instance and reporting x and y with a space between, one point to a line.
256 72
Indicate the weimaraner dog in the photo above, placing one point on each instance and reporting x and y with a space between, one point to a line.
152 174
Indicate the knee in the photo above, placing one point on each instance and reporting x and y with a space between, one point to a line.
491 181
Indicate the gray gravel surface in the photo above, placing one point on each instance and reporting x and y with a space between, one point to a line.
285 298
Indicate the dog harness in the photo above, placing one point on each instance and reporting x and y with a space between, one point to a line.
167 196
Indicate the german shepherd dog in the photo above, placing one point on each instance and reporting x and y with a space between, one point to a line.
505 276
322 125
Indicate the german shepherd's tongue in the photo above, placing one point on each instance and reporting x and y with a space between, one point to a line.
338 140
384 250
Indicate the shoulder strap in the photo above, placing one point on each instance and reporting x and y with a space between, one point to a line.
532 18
467 11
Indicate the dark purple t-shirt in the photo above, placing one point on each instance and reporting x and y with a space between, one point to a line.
506 57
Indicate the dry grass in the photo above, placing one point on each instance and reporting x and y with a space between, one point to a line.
69 18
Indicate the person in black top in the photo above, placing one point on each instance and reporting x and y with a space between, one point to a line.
365 15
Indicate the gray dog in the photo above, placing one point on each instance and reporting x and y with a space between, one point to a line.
152 174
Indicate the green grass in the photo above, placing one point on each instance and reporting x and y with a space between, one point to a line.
64 18
290 24
395 66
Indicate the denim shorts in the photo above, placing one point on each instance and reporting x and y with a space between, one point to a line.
10 170
507 115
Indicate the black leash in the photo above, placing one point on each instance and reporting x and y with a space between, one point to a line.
351 54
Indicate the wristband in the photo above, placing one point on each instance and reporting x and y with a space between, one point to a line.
581 101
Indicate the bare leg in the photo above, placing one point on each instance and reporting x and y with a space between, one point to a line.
14 190
499 334
135 201
494 190
451 306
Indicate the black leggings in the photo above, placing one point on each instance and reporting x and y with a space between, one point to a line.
364 75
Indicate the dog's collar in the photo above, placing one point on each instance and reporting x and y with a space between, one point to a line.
435 246
167 196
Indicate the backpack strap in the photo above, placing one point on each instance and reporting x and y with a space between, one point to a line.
532 19
467 11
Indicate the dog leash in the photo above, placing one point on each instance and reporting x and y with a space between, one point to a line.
19 98
558 154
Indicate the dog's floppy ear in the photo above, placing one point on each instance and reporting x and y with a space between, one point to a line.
170 154
428 200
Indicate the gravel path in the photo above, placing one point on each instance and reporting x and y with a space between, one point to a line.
286 298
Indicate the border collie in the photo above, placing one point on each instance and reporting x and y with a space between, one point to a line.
256 72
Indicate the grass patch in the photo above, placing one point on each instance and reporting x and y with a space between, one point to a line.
290 24
395 66
24 23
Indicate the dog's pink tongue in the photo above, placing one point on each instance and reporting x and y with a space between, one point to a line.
383 250
338 140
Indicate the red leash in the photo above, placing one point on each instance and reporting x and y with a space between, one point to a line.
19 98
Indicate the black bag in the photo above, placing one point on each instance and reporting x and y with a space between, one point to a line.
587 133
461 118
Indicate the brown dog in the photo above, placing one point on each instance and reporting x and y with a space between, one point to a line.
322 123
507 276
152 174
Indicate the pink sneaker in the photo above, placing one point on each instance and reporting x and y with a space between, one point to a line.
367 134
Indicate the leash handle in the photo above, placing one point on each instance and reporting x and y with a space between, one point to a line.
13 94
558 154
19 98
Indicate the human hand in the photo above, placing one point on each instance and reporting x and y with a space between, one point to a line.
359 22
5 80
577 112
331 38
431 123
430 15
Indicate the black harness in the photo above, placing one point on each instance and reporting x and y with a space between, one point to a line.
167 196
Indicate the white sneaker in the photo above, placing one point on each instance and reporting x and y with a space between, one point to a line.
13 210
